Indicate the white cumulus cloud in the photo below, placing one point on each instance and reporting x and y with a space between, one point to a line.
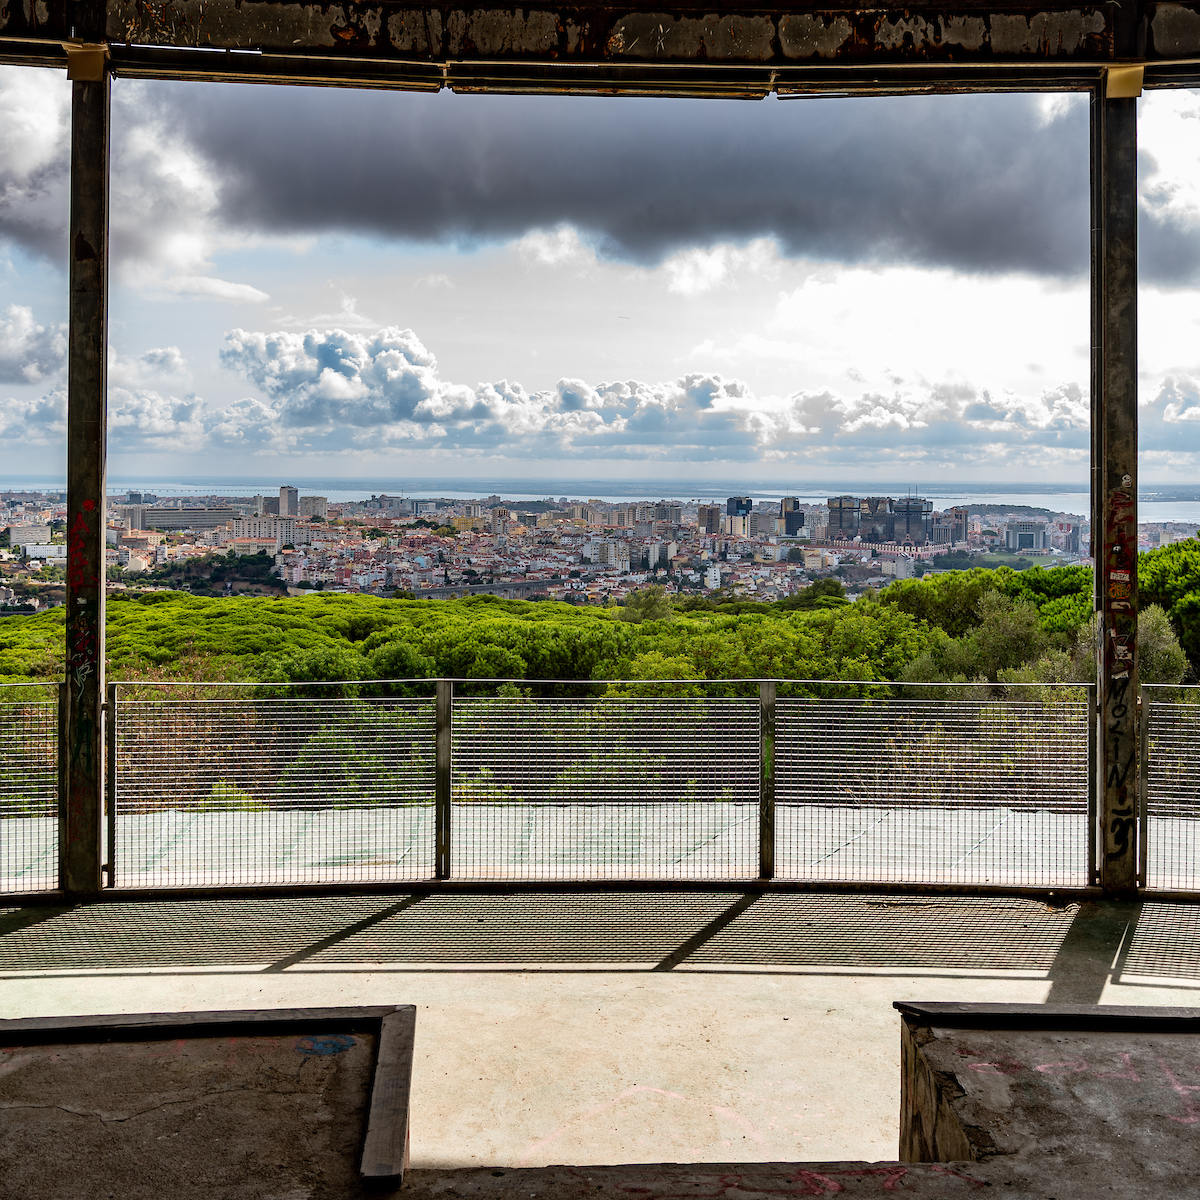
29 352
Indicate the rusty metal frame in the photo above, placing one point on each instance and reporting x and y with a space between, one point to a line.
637 49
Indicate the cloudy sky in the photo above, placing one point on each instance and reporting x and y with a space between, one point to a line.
312 282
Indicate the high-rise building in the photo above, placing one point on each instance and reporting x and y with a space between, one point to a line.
738 506
960 520
914 520
708 519
313 506
843 516
789 504
877 519
288 502
793 522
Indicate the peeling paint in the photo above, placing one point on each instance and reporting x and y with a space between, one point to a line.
372 22
410 33
807 35
496 32
968 32
659 35
595 34
1045 33
892 35
247 25
1176 30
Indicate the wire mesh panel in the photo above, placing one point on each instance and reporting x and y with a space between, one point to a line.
932 791
292 790
605 789
28 791
1172 818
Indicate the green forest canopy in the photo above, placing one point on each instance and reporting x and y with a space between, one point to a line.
997 624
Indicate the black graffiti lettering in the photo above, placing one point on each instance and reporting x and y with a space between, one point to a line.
1119 831
1117 774
1119 711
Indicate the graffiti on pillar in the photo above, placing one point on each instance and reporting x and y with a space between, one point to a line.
1117 660
83 641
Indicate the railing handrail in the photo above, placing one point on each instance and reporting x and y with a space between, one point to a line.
433 679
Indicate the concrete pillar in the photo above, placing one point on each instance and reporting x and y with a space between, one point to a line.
1114 478
83 743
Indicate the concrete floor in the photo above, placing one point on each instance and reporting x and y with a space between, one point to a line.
610 1028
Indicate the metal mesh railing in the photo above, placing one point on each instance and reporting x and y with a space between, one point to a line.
961 790
216 786
1170 816
299 789
605 789
28 788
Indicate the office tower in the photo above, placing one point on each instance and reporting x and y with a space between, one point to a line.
959 522
913 520
843 516
738 506
708 519
288 502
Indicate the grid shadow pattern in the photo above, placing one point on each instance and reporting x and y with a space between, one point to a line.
1165 943
273 791
28 794
647 930
923 791
603 789
1172 818
825 929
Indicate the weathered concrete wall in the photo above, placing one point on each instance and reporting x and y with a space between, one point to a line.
1111 1109
930 1130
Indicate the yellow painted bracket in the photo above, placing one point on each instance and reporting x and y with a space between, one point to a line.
1123 83
86 61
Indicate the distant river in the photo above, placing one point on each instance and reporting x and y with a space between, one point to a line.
988 496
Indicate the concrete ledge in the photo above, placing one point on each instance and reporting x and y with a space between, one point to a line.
1089 1100
732 1181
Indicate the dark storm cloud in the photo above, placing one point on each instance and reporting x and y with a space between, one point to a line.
977 183
974 183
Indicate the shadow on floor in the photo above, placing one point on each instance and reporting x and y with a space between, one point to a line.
651 930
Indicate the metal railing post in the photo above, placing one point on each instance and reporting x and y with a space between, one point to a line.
1094 832
766 785
444 759
110 782
63 710
1145 708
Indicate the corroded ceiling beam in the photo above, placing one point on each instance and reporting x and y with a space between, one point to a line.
434 46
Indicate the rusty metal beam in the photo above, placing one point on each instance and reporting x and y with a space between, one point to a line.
83 776
1114 480
786 36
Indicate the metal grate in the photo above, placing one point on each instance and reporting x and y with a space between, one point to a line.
605 789
932 791
28 791
1171 820
253 791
